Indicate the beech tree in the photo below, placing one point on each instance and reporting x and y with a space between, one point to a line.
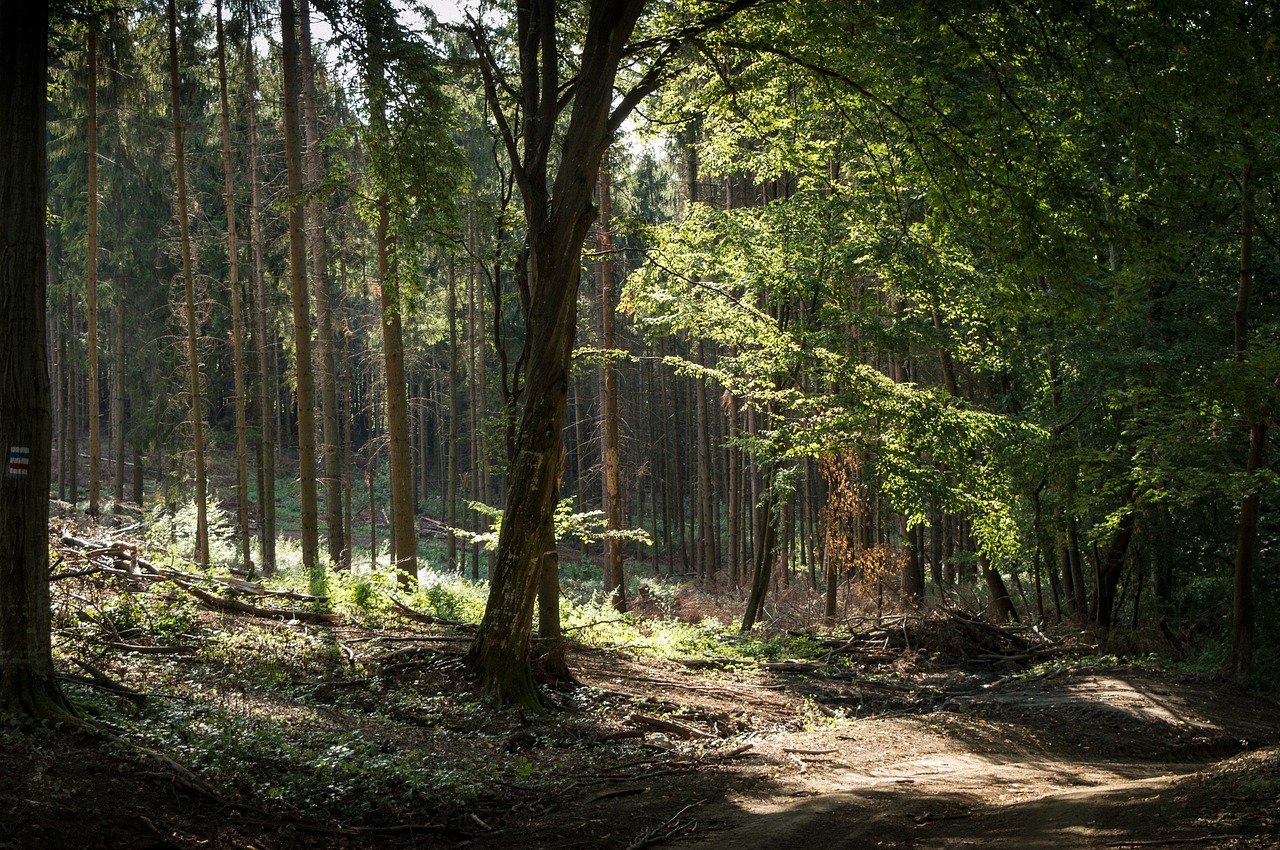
555 166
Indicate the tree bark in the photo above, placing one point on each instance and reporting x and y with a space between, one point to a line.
117 390
189 304
28 687
301 305
1240 664
237 330
403 533
91 288
999 593
762 569
1110 568
614 581
451 476
263 347
330 447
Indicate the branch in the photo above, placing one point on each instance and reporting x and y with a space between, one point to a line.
658 69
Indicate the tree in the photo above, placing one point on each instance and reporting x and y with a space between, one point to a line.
262 345
28 687
330 449
614 581
404 527
233 283
300 300
91 287
556 193
195 386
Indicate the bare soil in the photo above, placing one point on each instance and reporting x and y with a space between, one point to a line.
1085 757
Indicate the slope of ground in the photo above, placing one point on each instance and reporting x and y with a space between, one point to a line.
237 727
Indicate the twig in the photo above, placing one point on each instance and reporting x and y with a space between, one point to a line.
653 837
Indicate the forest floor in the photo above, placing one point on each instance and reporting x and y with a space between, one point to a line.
276 733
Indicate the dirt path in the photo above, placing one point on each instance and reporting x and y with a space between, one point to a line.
1090 760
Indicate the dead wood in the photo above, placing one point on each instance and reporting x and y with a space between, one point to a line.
672 727
235 606
148 649
792 666
431 619
139 699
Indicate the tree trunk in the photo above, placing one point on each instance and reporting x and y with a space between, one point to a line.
189 303
264 350
1240 664
73 406
614 581
763 563
330 448
551 663
403 533
301 306
734 507
28 687
1111 567
706 530
91 289
117 392
451 476
237 330
999 593
59 392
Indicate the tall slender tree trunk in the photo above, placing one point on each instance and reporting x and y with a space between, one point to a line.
330 447
28 686
59 394
117 389
263 345
73 406
614 581
451 476
189 303
237 330
91 289
1242 604
706 530
403 532
301 303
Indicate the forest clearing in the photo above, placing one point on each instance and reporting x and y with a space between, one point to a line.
626 423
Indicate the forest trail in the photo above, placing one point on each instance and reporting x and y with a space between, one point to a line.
1083 759
945 745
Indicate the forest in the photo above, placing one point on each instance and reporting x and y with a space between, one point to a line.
622 383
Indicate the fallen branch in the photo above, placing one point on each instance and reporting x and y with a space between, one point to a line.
145 649
138 698
237 607
673 727
666 830
430 619
792 666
